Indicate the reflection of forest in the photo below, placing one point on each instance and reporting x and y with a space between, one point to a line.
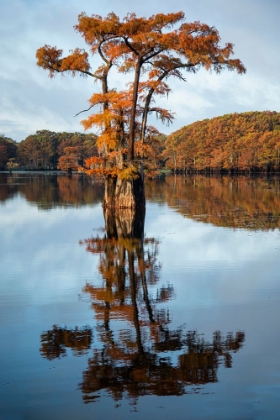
137 353
237 202
49 191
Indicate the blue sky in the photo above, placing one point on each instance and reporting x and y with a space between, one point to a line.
30 101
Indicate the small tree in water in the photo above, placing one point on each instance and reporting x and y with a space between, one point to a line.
69 161
153 49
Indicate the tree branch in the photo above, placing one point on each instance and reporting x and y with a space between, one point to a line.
84 110
130 46
88 74
153 54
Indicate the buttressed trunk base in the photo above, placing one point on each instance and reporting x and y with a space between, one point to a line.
124 193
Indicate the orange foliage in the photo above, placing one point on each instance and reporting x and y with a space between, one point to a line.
154 49
234 142
70 158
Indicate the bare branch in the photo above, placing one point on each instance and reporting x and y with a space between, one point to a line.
154 54
89 74
130 46
84 110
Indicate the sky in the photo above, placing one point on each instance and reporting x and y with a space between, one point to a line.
31 101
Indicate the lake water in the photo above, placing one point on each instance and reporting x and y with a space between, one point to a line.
183 324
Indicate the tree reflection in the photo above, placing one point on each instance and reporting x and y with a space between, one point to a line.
154 371
137 351
54 342
50 191
235 202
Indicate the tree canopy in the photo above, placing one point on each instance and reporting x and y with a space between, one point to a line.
152 49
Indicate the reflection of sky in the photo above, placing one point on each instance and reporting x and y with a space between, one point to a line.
220 265
193 253
224 279
41 250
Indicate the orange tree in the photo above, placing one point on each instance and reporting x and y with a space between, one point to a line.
152 49
69 160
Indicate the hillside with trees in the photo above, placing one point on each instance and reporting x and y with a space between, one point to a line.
233 143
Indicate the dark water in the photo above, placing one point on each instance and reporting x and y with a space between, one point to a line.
181 325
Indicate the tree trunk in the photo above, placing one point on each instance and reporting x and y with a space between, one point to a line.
109 193
124 193
130 151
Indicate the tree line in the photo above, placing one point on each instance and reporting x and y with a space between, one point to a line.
234 143
47 150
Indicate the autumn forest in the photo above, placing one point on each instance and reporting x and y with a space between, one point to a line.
234 143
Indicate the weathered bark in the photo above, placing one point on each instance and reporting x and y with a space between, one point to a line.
124 194
109 192
130 193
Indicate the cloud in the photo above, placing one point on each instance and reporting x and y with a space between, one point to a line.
30 101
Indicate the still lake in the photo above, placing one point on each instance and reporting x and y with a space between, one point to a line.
196 335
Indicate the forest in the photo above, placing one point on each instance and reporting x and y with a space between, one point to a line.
234 143
46 150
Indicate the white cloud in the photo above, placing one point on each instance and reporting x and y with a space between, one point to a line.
30 101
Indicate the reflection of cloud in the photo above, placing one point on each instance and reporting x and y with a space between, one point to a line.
28 217
225 262
204 243
54 264
214 265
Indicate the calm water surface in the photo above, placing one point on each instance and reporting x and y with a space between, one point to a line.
181 325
